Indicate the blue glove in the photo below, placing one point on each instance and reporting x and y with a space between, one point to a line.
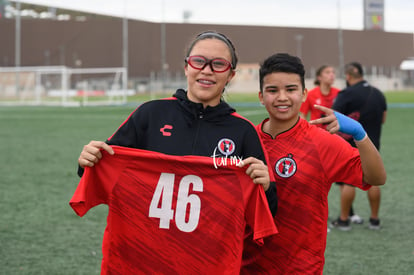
350 126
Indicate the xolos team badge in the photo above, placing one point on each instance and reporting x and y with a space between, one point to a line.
226 146
286 167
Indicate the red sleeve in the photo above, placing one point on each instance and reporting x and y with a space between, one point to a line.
258 215
96 184
341 161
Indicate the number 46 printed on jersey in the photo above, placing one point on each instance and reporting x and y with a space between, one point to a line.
162 202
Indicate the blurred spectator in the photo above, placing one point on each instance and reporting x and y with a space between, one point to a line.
366 104
323 94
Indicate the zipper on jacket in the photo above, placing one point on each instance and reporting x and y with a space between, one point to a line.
200 117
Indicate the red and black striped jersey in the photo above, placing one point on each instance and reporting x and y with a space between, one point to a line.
305 160
173 214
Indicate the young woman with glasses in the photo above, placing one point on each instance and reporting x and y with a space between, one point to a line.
198 122
196 119
193 121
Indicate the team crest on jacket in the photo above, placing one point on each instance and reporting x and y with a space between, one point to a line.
226 146
286 166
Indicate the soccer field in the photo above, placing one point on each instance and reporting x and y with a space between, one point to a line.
40 233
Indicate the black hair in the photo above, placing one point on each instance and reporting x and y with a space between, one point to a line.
318 74
215 35
282 63
354 69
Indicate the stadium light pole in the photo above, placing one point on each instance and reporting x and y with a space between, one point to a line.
125 52
163 48
299 38
340 41
17 47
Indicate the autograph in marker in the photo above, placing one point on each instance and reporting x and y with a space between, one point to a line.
220 160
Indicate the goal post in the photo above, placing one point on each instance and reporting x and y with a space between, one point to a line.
60 85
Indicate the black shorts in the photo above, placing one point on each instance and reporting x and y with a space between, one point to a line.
342 183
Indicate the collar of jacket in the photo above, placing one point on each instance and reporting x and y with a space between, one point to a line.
195 111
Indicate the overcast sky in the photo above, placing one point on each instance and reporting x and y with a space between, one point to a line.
348 14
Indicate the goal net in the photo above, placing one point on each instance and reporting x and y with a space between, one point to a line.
60 85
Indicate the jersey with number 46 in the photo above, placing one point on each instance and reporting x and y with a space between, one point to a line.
173 214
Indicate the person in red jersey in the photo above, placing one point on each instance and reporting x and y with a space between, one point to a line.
305 160
196 121
173 214
323 94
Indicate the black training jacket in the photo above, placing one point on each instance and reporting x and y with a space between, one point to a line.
177 126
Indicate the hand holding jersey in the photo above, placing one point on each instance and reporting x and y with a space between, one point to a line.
257 171
91 153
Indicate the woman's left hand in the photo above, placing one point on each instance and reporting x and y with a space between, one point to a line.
258 171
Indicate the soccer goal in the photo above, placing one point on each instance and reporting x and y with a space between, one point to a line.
60 85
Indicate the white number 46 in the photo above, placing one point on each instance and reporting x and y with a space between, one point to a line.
161 203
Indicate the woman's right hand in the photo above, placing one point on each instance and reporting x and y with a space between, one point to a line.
91 153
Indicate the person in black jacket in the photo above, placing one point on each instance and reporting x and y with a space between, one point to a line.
195 121
368 105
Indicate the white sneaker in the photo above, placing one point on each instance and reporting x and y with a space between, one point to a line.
356 219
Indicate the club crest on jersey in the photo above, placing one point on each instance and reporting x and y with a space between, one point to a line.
286 167
223 157
226 146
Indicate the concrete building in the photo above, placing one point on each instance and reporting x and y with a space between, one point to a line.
98 42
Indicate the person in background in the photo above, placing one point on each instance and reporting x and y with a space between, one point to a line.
366 104
324 94
306 160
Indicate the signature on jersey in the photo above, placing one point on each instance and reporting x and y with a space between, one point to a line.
220 160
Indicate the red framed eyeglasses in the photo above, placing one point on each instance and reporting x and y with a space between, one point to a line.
218 65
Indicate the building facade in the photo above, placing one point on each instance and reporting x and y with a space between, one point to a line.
98 42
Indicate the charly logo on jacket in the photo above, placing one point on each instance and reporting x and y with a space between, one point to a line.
286 166
166 130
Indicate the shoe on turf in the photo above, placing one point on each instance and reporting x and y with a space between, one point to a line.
340 224
356 219
374 224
